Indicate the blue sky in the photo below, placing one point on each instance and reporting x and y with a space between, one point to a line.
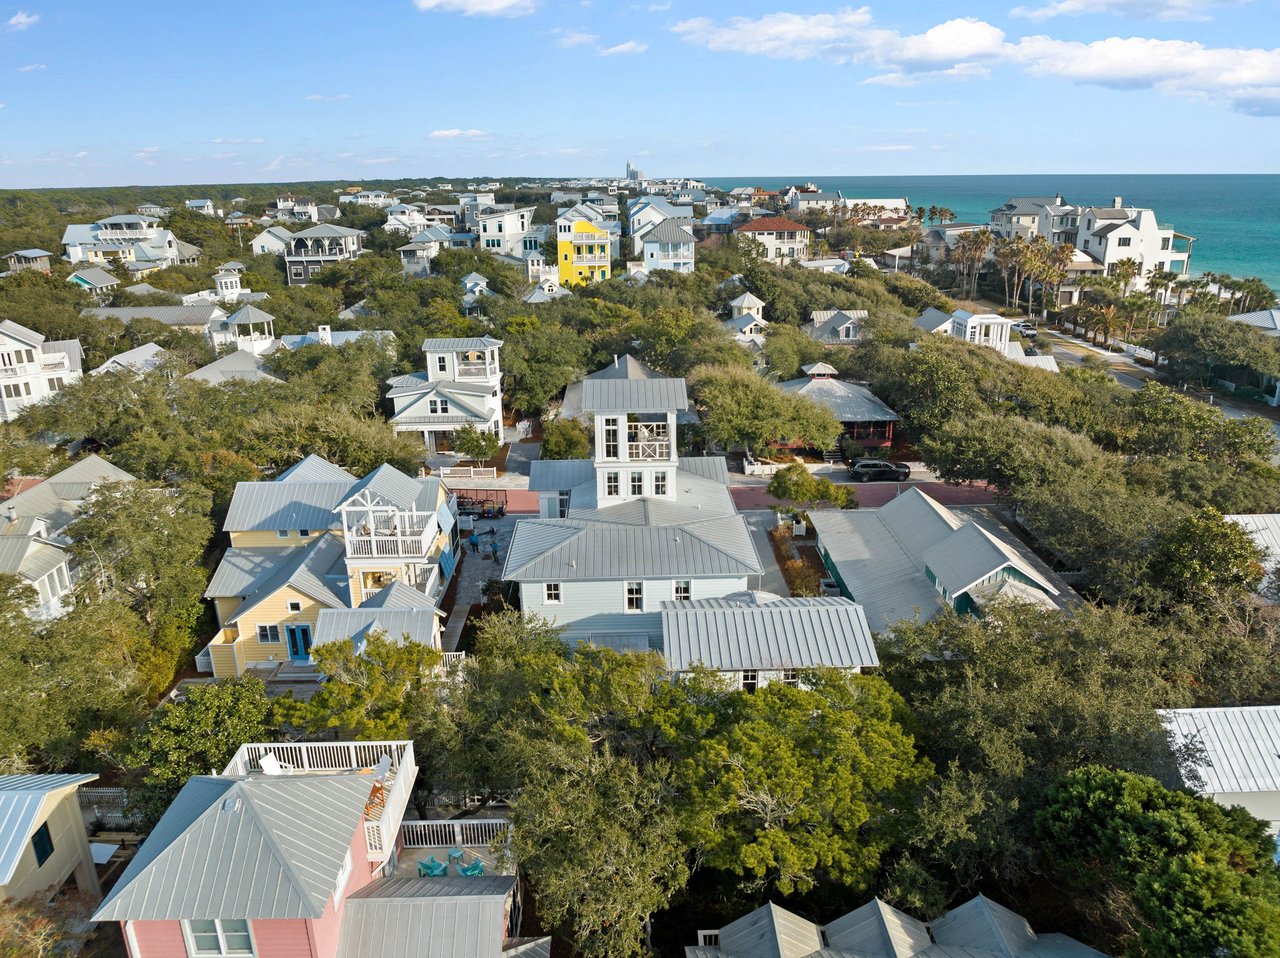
191 92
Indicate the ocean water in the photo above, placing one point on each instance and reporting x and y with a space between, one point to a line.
1235 218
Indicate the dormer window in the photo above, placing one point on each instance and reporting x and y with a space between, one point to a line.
442 364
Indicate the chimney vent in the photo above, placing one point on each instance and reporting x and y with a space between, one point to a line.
325 335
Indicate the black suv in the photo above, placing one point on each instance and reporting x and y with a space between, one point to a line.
877 470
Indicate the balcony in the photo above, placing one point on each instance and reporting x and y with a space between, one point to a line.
592 259
388 545
649 449
477 838
588 238
477 370
390 766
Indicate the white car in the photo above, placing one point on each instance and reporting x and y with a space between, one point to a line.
1025 329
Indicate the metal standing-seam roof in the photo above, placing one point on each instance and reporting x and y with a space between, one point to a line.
169 315
58 498
1264 529
459 344
634 395
30 556
667 232
972 554
1241 746
820 632
22 798
878 930
294 503
257 573
389 485
313 468
849 402
21 333
449 917
268 847
981 924
770 932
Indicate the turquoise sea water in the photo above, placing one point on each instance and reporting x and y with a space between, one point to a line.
1235 218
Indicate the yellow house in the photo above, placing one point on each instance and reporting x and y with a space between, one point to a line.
582 247
43 841
318 540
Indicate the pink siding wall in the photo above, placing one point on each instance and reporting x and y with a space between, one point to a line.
282 938
158 939
325 931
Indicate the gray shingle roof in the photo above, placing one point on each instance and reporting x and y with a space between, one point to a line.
269 847
21 800
770 636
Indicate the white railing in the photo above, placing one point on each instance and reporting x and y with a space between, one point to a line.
657 449
468 472
391 546
453 658
380 835
454 833
204 660
476 371
591 259
107 805
589 238
321 756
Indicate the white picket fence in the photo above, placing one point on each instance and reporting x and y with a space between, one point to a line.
468 472
106 805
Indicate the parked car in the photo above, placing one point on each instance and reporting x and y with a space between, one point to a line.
878 470
1025 330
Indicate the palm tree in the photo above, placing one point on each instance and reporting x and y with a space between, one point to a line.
920 211
1126 271
1159 281
945 215
1005 255
1062 257
933 214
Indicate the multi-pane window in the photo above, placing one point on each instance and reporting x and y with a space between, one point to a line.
1124 241
42 844
750 680
637 483
551 592
219 936
660 483
611 487
268 633
683 590
791 677
635 596
611 438
442 364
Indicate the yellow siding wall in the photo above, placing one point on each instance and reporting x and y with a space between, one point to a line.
570 272
226 662
274 610
70 851
269 540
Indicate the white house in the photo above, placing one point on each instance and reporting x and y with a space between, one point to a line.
634 527
44 842
272 240
1110 234
982 329
203 207
1234 755
506 231
417 254
318 247
836 327
139 360
747 304
668 246
33 368
129 239
462 384
406 218
33 540
783 239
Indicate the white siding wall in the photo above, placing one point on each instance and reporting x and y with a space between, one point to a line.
578 600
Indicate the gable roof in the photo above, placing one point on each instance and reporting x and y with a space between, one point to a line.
932 320
21 333
667 232
194 315
57 500
238 365
238 848
459 344
315 570
22 799
878 930
770 932
398 610
605 395
140 359
389 485
305 499
313 468
770 635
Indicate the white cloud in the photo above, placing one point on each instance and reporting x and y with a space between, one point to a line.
480 8
30 67
577 39
223 156
968 48
21 20
274 164
456 134
1133 9
80 154
888 148
237 139
326 99
659 7
379 160
630 47
146 151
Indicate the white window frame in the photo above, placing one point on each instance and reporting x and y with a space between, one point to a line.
188 939
282 533
660 483
685 585
344 876
547 589
636 484
269 640
627 597
295 606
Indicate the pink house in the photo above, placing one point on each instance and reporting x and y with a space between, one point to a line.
292 853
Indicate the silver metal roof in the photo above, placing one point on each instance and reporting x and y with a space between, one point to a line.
1264 529
825 324
449 917
313 468
21 801
878 930
58 498
294 503
1241 746
551 475
169 315
771 636
770 932
849 402
981 924
667 231
387 485
30 557
264 847
459 344
634 395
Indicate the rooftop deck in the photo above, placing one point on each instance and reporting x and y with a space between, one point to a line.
473 837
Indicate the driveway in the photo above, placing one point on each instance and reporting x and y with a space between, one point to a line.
760 521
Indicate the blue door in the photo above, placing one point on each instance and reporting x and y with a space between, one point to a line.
299 637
